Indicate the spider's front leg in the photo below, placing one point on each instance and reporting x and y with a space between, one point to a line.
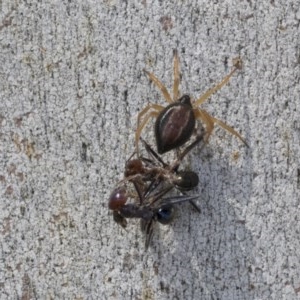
176 76
150 111
160 86
237 66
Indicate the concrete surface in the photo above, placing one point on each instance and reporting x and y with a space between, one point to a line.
71 85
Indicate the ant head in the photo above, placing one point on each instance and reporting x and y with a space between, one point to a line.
165 214
117 198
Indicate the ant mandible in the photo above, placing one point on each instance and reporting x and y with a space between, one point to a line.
176 122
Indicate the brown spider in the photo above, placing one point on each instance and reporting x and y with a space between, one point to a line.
176 122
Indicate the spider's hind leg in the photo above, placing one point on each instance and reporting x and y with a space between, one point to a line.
210 122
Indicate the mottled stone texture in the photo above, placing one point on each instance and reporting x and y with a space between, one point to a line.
71 85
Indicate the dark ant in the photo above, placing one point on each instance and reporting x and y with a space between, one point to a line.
152 206
176 122
158 172
147 176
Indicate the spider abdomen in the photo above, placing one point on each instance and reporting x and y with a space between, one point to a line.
174 125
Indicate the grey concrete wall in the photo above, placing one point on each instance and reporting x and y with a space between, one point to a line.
71 86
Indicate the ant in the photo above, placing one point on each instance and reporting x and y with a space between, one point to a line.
156 170
176 122
147 175
152 208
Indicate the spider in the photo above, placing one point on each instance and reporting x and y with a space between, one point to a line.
176 122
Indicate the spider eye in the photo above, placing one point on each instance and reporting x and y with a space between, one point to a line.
117 198
165 214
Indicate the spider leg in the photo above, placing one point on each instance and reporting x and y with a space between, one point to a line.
230 129
224 125
207 119
218 86
176 77
148 113
162 88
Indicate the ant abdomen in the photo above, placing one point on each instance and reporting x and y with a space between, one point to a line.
186 180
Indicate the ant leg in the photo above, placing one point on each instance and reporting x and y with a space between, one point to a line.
140 125
192 202
118 218
153 153
130 157
230 129
218 86
147 228
181 156
176 76
157 196
182 198
139 192
199 138
162 88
